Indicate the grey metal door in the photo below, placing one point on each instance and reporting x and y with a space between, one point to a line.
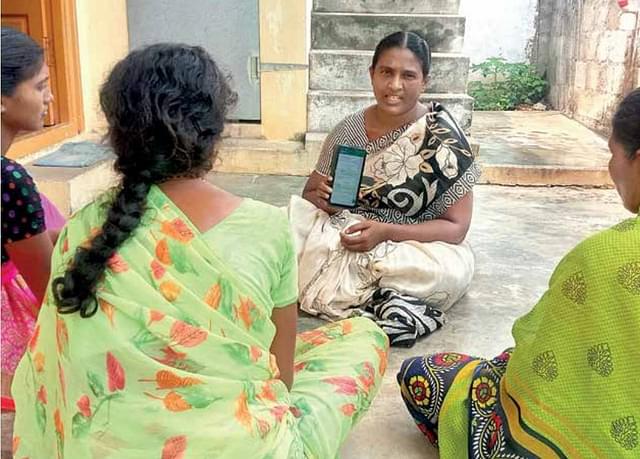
227 29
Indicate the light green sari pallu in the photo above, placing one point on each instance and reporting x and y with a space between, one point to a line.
176 361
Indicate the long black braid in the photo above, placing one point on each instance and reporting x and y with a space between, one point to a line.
165 106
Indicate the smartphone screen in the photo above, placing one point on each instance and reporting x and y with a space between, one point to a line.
347 174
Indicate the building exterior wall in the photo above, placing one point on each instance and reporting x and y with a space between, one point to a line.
283 76
588 50
102 40
499 28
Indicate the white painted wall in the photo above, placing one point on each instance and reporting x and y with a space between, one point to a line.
501 28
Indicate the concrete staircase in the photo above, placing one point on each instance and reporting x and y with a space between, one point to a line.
344 34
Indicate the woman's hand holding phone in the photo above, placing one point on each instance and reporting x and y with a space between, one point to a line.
322 193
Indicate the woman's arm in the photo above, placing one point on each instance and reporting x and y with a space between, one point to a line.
32 257
451 227
284 343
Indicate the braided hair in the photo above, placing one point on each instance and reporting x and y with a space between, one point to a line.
165 106
409 40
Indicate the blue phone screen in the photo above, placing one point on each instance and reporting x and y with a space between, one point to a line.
346 177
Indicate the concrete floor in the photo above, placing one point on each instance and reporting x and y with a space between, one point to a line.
519 234
537 139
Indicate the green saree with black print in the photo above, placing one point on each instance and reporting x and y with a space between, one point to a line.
569 387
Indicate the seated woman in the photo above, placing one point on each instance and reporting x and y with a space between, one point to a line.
402 251
169 328
26 215
568 388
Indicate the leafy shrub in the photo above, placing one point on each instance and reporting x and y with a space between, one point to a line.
506 85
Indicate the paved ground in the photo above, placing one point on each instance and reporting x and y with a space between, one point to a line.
537 139
518 234
516 148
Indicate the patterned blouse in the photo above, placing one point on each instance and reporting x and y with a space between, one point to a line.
22 213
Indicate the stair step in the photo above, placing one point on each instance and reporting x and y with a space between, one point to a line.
384 6
328 108
359 31
349 70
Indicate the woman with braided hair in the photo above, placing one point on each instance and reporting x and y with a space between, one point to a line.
169 326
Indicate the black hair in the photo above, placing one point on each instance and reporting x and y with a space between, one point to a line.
22 58
165 107
626 123
409 40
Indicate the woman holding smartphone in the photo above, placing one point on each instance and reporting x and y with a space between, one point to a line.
400 254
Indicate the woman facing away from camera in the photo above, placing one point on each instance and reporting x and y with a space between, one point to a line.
569 386
169 328
401 253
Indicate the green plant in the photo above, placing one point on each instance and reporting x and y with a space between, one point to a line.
506 85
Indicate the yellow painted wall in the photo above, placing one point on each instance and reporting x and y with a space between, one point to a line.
103 39
283 93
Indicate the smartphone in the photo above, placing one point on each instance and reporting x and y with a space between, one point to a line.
348 166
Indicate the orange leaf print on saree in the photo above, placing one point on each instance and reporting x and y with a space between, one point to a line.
58 423
255 353
162 252
382 354
155 316
84 406
38 362
170 290
347 327
175 447
244 312
267 393
187 335
315 337
367 377
15 445
173 401
117 264
177 229
34 339
344 384
165 379
348 409
62 336
242 411
115 374
63 383
42 395
157 270
213 296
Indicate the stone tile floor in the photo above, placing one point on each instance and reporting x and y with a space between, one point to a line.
518 234
537 139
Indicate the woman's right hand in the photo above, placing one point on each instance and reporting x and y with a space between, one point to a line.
318 191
